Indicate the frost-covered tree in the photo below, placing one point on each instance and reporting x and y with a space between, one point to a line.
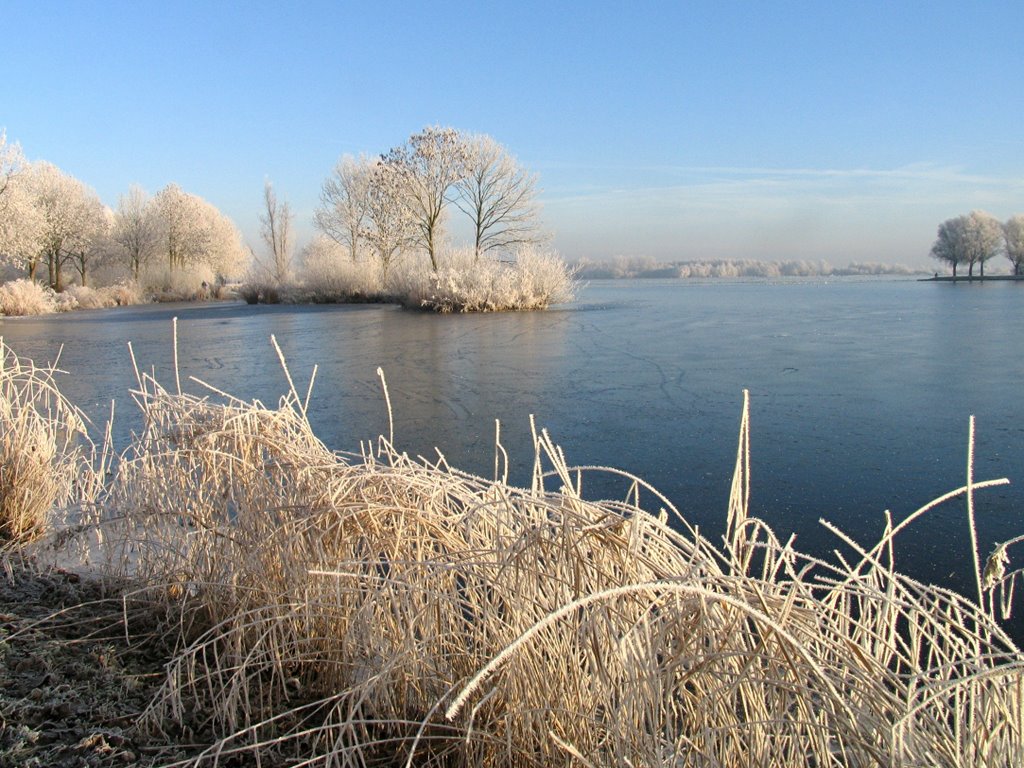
135 231
344 202
226 255
984 237
320 256
498 195
276 232
950 242
70 212
182 227
12 162
21 222
92 246
430 163
971 239
1013 235
390 228
193 234
399 202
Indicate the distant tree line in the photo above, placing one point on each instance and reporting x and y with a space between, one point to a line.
976 238
642 267
54 227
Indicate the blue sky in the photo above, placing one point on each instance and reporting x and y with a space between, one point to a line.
772 130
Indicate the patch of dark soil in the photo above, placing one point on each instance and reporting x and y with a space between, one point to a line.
72 686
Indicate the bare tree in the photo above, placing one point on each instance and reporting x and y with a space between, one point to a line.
430 163
1013 235
498 195
276 231
135 231
345 202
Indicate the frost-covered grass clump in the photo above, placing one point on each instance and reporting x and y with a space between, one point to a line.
45 451
531 279
118 295
27 297
372 609
198 283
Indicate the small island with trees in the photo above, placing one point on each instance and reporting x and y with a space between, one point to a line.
976 238
383 236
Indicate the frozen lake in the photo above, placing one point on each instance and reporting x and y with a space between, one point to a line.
860 390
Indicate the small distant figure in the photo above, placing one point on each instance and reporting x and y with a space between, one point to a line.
936 275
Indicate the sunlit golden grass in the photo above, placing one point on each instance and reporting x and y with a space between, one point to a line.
373 609
45 452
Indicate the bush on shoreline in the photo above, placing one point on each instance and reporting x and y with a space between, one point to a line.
26 297
533 279
119 295
19 298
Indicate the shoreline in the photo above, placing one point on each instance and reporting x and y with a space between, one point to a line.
974 279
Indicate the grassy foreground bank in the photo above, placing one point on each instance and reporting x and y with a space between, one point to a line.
325 609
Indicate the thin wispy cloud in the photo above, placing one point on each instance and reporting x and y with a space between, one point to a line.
744 182
744 212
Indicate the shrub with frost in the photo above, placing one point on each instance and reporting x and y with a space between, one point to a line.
532 279
27 297
329 275
184 284
126 293
119 295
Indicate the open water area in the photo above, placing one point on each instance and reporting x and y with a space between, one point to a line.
860 392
